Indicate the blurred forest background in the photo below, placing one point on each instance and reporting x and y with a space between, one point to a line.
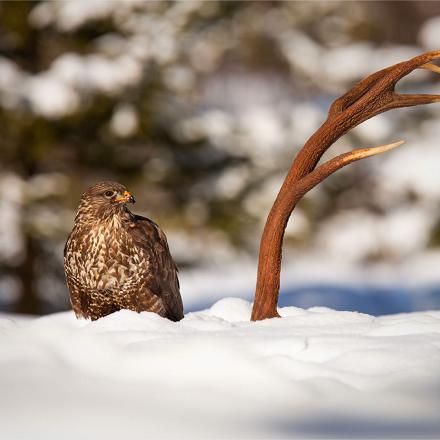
199 107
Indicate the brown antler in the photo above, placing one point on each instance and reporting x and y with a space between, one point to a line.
369 97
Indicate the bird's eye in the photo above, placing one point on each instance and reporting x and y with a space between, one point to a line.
109 193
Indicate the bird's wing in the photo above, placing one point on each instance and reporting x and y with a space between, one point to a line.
74 292
164 283
75 296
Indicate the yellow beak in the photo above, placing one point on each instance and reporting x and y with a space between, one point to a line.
126 197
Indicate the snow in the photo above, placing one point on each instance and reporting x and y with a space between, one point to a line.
313 373
96 72
124 122
50 97
430 33
69 15
11 238
409 170
345 234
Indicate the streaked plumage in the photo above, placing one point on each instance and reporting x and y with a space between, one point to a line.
114 259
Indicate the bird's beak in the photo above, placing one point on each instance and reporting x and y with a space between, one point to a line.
126 197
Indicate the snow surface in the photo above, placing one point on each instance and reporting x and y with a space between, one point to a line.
313 373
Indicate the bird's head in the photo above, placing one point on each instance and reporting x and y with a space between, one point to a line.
105 199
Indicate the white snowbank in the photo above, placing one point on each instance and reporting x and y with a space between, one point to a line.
313 373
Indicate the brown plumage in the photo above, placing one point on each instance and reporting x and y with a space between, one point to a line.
115 260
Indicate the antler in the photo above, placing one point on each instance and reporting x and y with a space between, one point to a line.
369 97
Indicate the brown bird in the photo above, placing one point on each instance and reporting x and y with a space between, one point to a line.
115 260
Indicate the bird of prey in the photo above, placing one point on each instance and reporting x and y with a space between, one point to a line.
114 259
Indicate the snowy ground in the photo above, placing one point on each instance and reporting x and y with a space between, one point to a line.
314 373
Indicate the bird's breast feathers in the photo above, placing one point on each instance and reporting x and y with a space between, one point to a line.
105 257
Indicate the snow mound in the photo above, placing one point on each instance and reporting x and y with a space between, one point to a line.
313 373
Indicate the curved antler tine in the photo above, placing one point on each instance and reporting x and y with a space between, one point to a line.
430 66
409 100
417 62
382 81
323 171
361 153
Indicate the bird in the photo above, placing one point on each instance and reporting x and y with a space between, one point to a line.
114 259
